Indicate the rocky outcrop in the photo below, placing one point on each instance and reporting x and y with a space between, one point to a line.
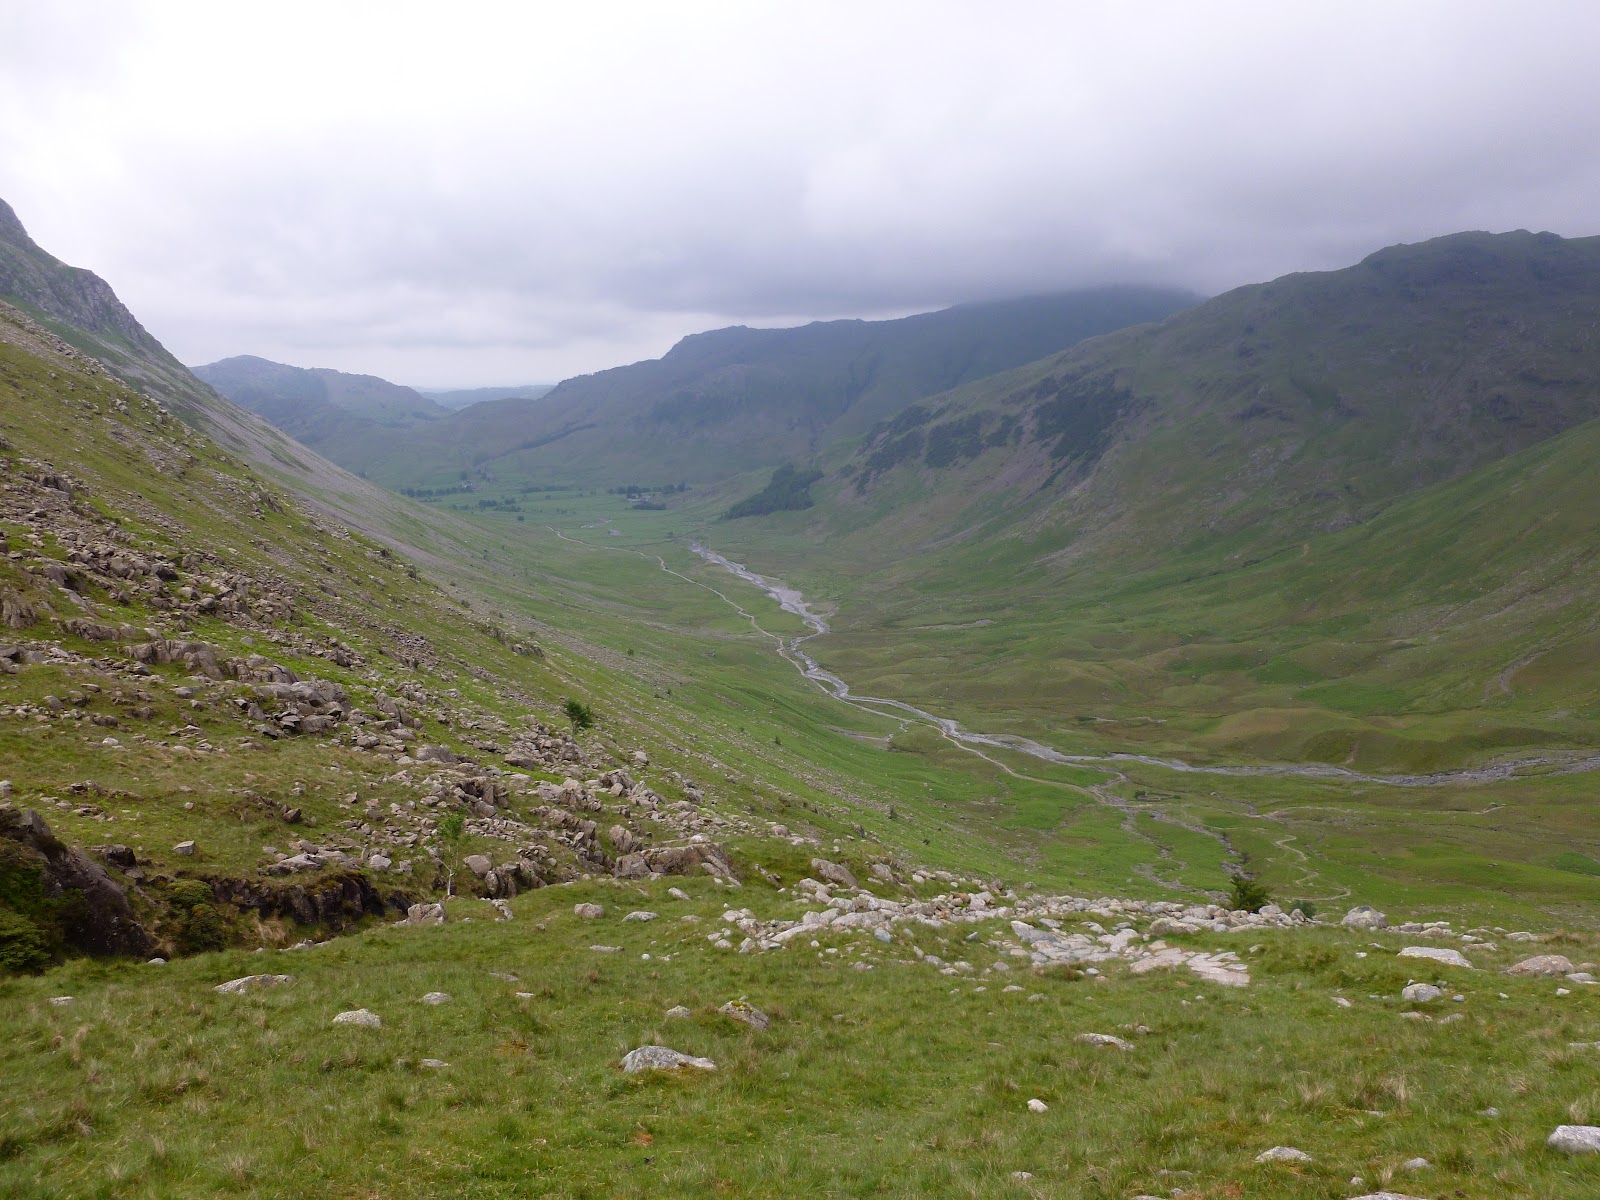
90 909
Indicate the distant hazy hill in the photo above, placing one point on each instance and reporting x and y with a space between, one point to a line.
340 415
276 390
459 398
727 401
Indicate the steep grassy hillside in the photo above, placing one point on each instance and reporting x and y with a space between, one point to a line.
1275 411
735 399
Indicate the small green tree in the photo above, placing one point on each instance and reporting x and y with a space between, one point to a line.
452 831
579 713
1248 895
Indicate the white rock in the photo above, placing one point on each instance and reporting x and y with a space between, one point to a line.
1575 1139
677 893
1542 964
1450 958
433 1064
244 984
747 1013
359 1016
1416 1164
1365 917
1038 1106
1283 1154
662 1058
1421 993
185 848
588 912
678 1013
425 914
641 915
61 1001
436 998
1103 1039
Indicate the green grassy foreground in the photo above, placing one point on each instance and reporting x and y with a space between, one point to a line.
894 1081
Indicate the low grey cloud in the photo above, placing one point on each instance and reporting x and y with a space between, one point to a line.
484 193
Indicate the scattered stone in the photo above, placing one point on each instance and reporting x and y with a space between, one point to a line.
1542 964
478 864
834 873
677 893
661 1058
61 1001
739 1010
433 1064
606 949
1421 993
1438 954
589 912
642 915
247 983
1103 1039
1575 1139
1038 1106
678 1013
1021 1176
1416 1164
425 914
184 848
1364 916
502 911
359 1016
1283 1154
436 998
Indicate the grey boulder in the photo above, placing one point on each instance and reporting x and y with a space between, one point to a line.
662 1058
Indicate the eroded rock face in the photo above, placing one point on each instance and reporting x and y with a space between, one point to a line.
94 916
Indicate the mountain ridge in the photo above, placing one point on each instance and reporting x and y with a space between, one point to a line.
725 401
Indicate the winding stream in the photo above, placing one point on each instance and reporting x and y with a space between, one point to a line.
793 649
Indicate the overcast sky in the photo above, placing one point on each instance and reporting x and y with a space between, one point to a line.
472 193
